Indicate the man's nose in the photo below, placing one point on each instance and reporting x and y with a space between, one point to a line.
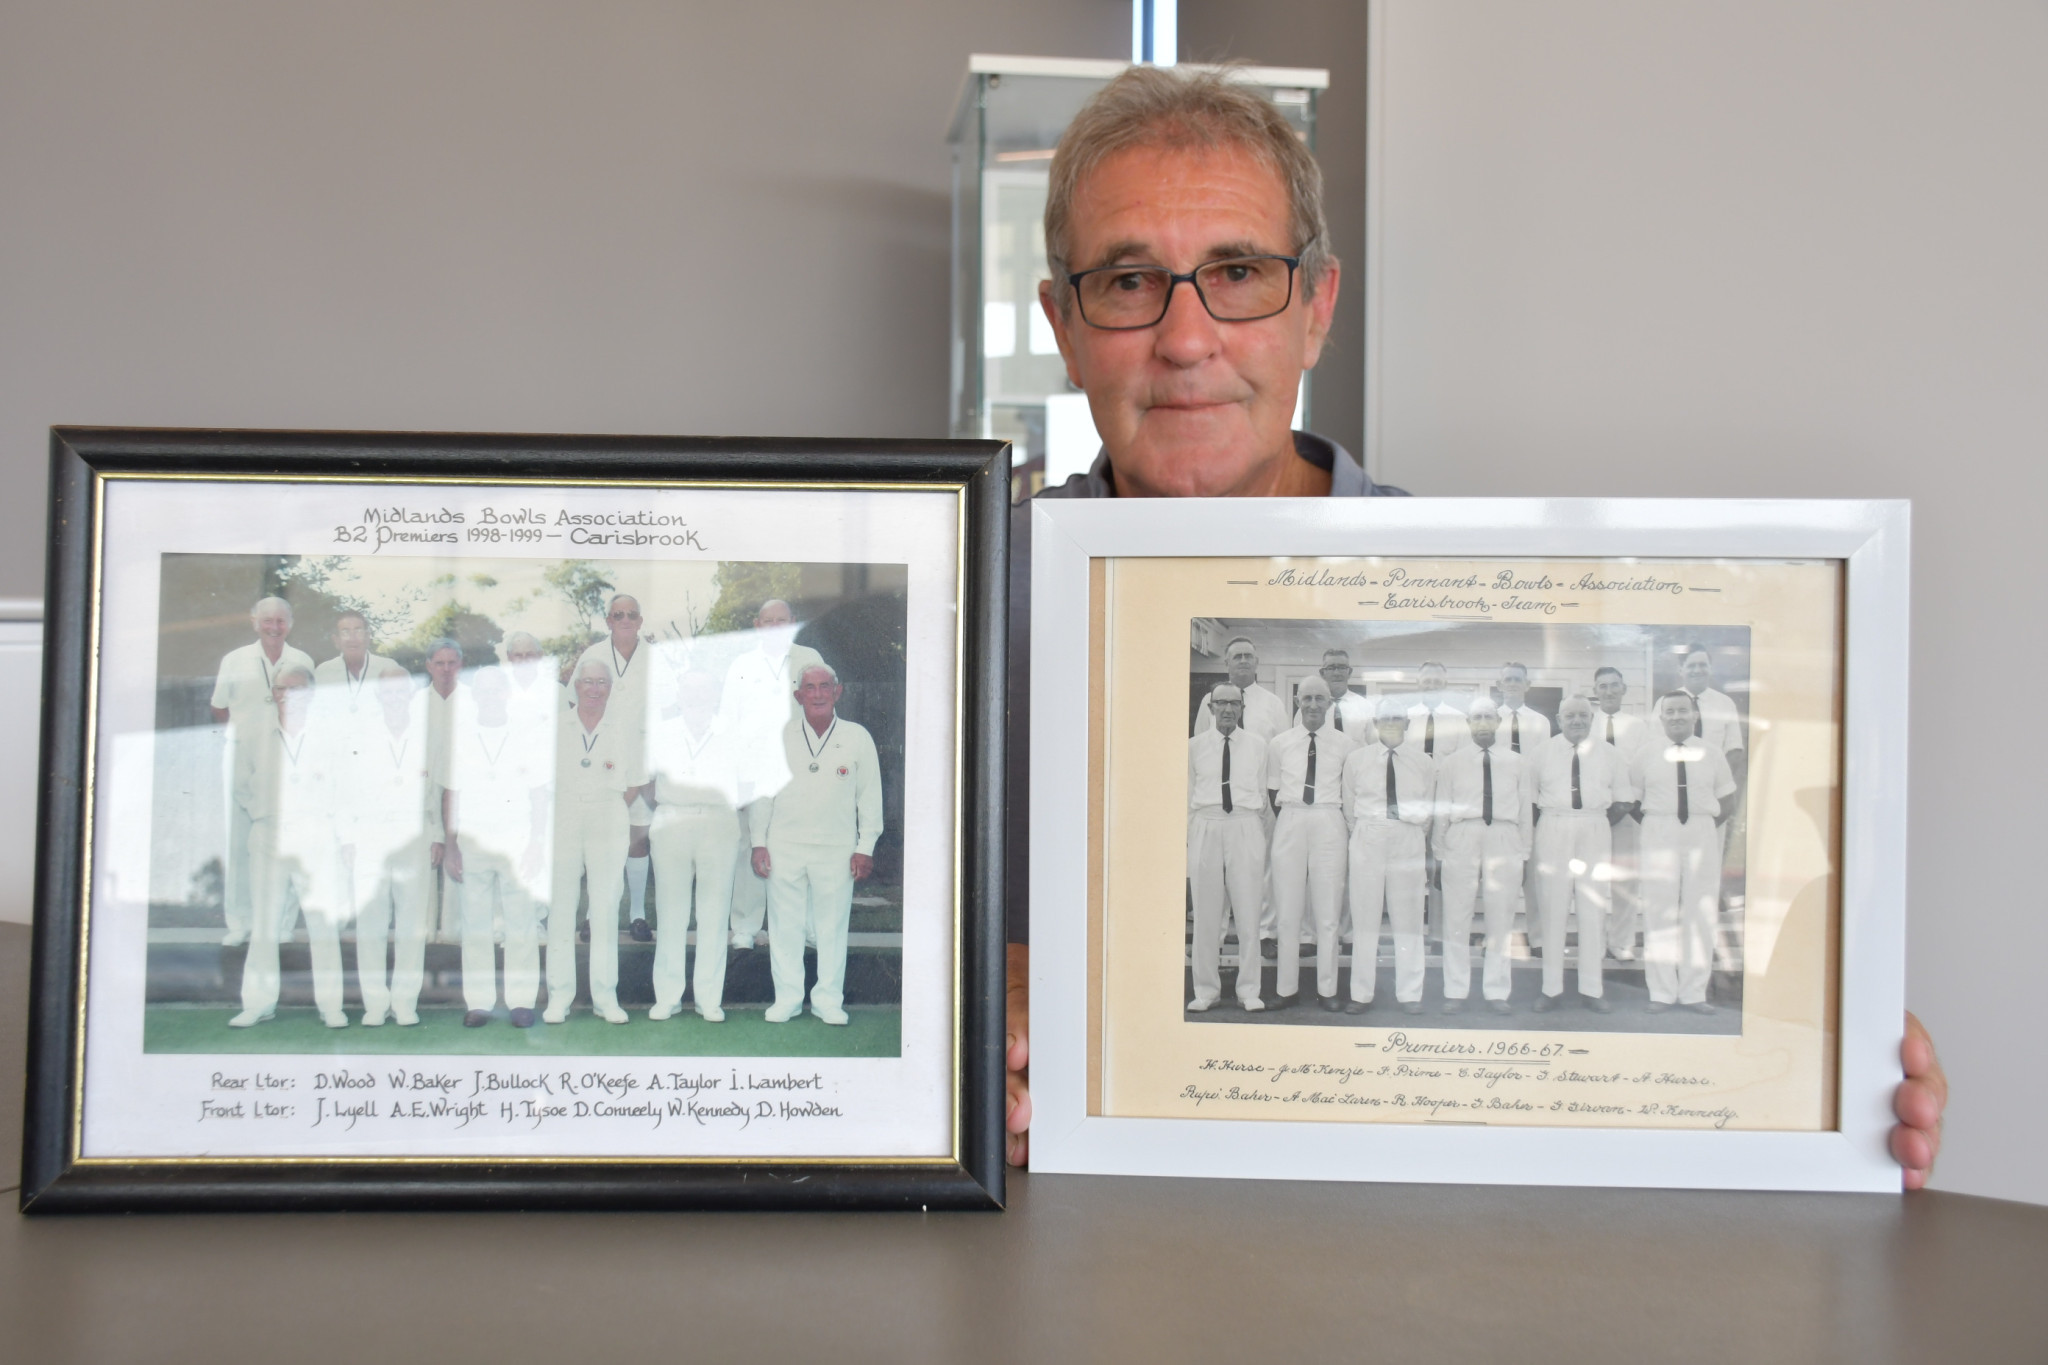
1187 335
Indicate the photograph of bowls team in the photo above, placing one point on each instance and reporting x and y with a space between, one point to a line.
1463 820
464 805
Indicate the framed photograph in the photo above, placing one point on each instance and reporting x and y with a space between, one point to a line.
1488 840
519 821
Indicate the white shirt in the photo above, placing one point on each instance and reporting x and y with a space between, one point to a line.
1352 713
1461 787
295 782
1602 781
242 688
830 792
1653 774
1630 732
1365 785
633 686
692 768
352 695
1247 771
1534 729
390 790
494 771
1720 724
1265 715
1287 765
598 764
1449 734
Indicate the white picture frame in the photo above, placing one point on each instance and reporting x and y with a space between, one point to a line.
1869 538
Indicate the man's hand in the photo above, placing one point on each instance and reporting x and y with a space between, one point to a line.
1918 1102
451 860
761 864
862 866
1017 1056
436 854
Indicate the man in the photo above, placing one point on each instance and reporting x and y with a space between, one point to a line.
1265 715
631 664
1484 829
531 683
1164 173
1389 799
244 699
1435 724
501 772
813 840
443 701
757 705
394 817
1581 790
1612 725
1523 728
1305 777
1226 848
1350 712
694 841
347 683
1718 722
288 776
1685 792
600 773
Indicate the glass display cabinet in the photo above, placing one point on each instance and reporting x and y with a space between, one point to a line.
1008 381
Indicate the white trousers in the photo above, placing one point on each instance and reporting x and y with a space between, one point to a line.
1226 859
1389 867
392 883
1479 859
1574 850
493 891
1681 897
1624 915
693 849
315 877
1308 876
817 878
236 892
749 893
590 840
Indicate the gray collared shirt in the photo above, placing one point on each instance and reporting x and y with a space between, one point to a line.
1347 480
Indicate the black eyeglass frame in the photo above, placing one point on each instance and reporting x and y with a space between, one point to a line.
1174 281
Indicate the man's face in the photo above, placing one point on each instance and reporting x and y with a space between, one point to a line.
1393 728
1432 678
1514 687
444 666
1243 663
1576 716
1484 723
1698 672
1676 715
1610 689
818 694
697 695
1227 714
593 689
524 658
1191 407
352 638
294 698
773 614
272 623
490 693
1314 707
623 616
1336 671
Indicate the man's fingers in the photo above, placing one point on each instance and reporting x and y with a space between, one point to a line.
1917 1105
1915 1150
1017 1119
1017 1149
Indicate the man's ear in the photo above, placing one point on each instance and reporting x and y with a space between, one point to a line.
1322 312
1050 304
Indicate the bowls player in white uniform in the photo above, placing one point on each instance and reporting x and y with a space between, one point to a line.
244 699
1305 774
1483 831
757 705
1581 790
1226 848
631 662
1389 801
1612 725
600 772
1686 792
695 837
814 839
394 810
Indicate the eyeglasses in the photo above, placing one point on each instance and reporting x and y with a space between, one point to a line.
1125 298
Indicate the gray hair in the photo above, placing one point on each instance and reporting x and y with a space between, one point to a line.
1178 107
285 675
819 667
269 603
445 642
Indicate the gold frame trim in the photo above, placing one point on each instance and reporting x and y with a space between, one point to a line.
75 1159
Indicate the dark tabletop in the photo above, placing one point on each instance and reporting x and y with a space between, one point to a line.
1079 1268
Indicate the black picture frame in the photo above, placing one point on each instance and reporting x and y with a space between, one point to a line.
53 1178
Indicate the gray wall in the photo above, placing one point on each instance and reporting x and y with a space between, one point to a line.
482 215
1769 248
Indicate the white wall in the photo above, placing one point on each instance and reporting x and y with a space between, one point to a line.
1774 248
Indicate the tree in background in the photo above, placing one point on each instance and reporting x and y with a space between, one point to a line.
743 587
478 635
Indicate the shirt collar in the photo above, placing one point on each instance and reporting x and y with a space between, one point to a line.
1347 477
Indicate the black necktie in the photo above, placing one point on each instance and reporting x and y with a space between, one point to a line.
1429 736
1337 714
1226 775
1308 788
1393 796
1515 730
1610 729
1576 803
1684 807
1698 719
1486 791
